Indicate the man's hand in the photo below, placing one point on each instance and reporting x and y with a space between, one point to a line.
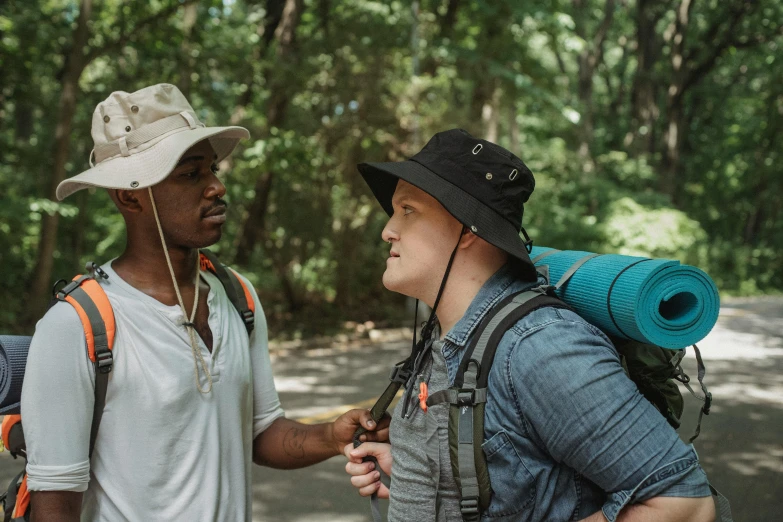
364 476
345 426
288 444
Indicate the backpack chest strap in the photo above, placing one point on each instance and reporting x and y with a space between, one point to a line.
458 397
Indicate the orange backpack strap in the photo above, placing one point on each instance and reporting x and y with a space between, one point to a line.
97 317
22 501
236 289
91 303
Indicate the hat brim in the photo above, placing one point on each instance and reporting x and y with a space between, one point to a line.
152 165
489 225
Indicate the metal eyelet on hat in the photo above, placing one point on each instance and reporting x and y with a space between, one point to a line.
128 128
106 119
489 176
477 149
473 228
134 184
135 109
513 175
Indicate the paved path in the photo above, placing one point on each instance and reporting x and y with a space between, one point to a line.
741 445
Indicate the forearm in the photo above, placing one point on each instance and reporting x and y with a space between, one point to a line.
288 444
671 509
55 506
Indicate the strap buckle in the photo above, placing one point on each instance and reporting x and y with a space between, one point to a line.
469 506
63 292
105 361
466 397
400 374
248 317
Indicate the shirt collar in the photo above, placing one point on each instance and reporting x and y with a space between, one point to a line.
502 283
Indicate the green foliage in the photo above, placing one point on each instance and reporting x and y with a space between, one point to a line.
359 80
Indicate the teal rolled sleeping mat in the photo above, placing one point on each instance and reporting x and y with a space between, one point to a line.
656 301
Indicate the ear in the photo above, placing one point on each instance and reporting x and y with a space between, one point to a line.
468 239
127 200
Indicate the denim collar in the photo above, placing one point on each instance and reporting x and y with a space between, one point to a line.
501 284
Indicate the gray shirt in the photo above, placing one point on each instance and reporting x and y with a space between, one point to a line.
422 486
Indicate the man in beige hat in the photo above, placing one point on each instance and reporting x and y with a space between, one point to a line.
168 448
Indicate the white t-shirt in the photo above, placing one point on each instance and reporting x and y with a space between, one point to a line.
164 450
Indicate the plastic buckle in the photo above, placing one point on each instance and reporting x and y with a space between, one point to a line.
469 506
67 289
400 375
249 317
466 397
93 268
105 361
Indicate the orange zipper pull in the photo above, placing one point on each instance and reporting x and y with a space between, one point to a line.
423 394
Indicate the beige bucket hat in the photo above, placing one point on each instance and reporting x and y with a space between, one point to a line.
140 137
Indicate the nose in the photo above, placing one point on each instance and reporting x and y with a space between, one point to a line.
389 234
215 188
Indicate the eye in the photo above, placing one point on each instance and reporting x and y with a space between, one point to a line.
407 210
214 168
191 174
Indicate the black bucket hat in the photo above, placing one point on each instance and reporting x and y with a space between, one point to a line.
481 184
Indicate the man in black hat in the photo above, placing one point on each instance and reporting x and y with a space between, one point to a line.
567 436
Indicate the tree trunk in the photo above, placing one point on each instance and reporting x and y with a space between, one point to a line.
41 275
513 126
253 230
446 24
645 111
490 115
187 62
77 232
588 61
266 33
672 136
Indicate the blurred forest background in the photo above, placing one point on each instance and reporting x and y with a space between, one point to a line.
653 127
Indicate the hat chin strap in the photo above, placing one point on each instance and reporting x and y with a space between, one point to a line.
190 325
426 331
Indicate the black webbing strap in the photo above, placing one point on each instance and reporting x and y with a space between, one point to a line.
234 290
377 412
16 443
103 358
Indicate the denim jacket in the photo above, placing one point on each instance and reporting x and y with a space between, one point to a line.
566 431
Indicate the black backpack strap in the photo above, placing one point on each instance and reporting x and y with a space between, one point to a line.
469 395
233 286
